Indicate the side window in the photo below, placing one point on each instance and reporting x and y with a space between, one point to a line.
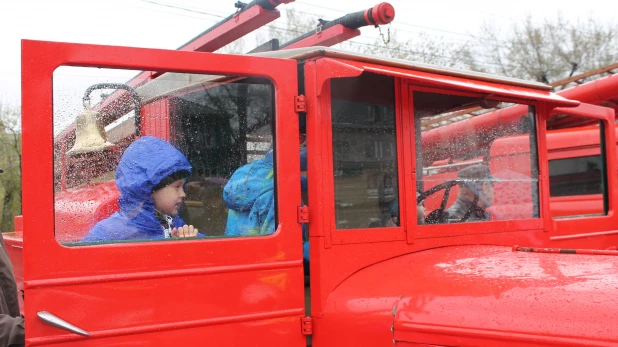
577 170
365 152
471 165
207 160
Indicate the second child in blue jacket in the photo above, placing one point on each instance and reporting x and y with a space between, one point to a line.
250 197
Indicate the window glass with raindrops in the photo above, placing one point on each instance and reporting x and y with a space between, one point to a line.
177 156
476 158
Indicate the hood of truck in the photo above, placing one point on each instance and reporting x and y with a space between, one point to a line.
482 295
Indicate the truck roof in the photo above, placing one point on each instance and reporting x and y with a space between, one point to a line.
158 87
316 51
161 85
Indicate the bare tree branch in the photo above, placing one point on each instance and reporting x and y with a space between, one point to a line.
10 162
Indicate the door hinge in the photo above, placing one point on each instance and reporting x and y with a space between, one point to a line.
303 214
300 103
306 325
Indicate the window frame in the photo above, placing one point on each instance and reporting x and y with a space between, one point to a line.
362 235
161 124
320 143
39 157
577 227
472 228
569 231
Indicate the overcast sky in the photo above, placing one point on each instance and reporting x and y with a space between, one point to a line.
158 24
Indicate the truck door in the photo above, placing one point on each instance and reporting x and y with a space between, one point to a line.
240 285
581 159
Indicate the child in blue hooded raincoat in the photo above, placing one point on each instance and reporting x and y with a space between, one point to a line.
250 197
148 168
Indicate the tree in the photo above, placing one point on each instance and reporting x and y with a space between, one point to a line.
544 52
10 162
422 48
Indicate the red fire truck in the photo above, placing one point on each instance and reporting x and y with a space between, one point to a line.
377 276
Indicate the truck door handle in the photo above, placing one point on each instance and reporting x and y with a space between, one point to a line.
60 323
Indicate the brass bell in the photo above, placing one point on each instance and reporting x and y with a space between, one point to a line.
90 134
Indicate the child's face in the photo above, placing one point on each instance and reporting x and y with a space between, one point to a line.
167 200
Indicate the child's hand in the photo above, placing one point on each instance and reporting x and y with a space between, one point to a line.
184 231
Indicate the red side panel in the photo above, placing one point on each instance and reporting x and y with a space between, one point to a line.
477 296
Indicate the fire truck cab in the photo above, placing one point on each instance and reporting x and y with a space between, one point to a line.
379 275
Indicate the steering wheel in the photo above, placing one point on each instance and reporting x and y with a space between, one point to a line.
439 215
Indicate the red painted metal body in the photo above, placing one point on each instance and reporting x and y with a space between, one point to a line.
240 25
328 37
602 91
475 296
161 289
408 284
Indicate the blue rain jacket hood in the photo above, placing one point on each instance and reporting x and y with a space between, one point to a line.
143 165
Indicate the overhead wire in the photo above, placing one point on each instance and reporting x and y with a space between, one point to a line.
182 8
173 13
398 23
489 14
424 54
274 27
412 32
486 42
